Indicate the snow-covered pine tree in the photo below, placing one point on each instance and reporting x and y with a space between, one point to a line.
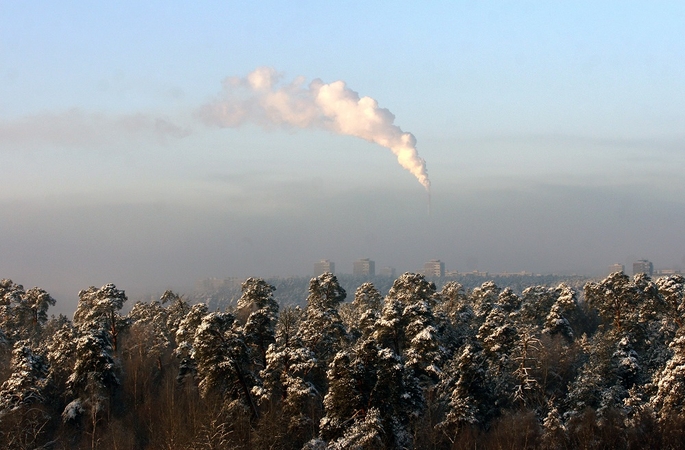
374 377
176 309
93 380
389 329
32 313
10 296
398 398
99 308
467 391
672 290
148 328
28 382
361 315
24 408
261 311
321 330
536 302
343 401
365 434
424 352
287 386
185 336
617 300
222 360
603 383
554 435
23 313
453 300
556 322
629 348
482 298
407 312
669 400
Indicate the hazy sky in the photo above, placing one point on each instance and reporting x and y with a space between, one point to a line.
135 150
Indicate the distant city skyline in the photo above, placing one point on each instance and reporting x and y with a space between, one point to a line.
438 268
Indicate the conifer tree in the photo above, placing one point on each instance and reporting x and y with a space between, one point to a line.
60 351
185 336
536 302
342 402
222 360
93 382
321 330
176 309
361 315
556 322
99 308
258 304
468 392
23 313
29 379
10 296
482 299
24 398
287 385
672 290
669 400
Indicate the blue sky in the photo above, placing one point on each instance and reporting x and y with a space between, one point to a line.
552 134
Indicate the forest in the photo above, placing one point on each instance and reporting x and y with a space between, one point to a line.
487 367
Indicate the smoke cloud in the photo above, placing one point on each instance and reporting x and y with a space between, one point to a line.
74 128
262 99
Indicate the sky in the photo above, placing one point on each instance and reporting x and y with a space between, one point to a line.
151 144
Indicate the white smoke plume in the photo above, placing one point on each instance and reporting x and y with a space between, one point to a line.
260 98
76 128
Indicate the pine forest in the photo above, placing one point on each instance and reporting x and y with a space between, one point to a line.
594 366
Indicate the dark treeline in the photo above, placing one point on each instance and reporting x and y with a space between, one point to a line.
550 367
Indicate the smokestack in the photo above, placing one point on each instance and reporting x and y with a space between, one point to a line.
261 99
429 202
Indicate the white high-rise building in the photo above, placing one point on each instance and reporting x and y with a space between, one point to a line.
324 266
643 266
434 268
364 267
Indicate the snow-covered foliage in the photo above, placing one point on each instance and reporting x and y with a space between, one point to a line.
467 391
258 304
565 305
99 309
28 381
321 329
221 356
148 323
23 313
669 399
417 368
365 434
60 350
672 290
617 299
94 378
95 369
185 336
361 315
483 297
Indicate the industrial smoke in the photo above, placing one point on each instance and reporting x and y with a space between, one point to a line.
262 99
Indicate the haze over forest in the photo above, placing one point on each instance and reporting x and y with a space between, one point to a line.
551 134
